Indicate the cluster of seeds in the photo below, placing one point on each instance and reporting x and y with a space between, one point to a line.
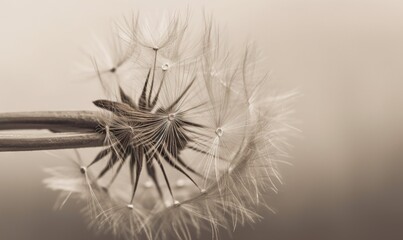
197 117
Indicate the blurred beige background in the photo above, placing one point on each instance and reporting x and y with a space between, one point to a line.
345 57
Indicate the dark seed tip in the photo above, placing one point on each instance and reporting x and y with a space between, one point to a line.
97 103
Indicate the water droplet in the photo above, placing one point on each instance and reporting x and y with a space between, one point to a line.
165 67
129 206
180 183
171 116
202 190
219 132
168 203
148 184
176 203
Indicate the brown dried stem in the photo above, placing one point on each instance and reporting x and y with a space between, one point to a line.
54 121
70 129
45 142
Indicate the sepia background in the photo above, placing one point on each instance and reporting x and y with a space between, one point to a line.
344 56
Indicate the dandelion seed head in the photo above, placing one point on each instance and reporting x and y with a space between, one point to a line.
167 168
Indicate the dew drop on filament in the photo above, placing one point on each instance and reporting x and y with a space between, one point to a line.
180 183
219 131
165 67
171 116
148 184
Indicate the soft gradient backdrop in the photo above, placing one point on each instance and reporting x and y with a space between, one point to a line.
345 57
